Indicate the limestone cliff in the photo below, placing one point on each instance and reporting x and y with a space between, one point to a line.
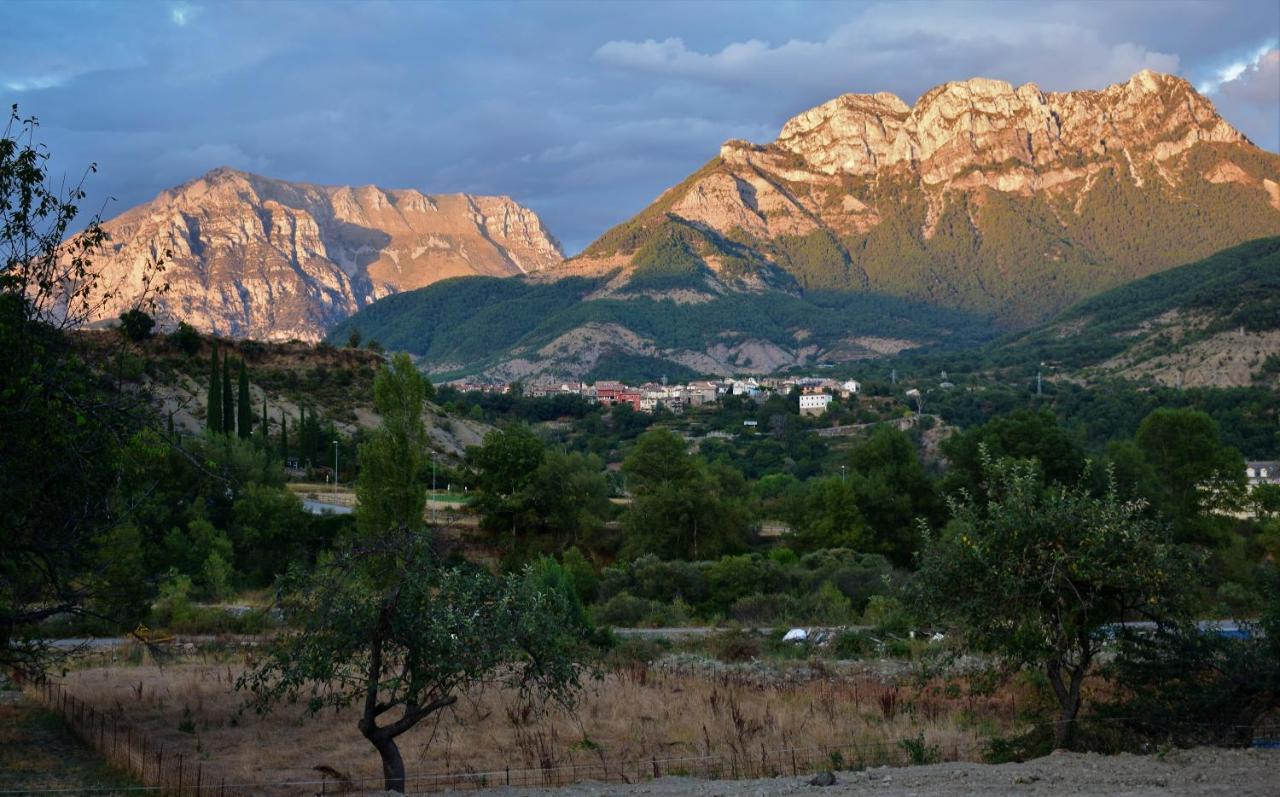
982 196
261 258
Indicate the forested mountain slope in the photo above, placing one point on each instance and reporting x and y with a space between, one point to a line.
1215 322
1002 200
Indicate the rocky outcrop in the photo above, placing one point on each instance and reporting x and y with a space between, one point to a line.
255 257
1004 200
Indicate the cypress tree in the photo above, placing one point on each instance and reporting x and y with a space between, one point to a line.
171 426
244 412
262 429
302 435
228 399
213 416
284 436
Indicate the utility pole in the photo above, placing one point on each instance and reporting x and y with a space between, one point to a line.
843 468
433 489
335 469
893 376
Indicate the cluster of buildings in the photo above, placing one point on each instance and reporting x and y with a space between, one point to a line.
815 392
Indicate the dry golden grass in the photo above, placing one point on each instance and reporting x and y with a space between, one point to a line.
721 725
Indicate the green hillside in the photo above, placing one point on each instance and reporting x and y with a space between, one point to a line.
468 324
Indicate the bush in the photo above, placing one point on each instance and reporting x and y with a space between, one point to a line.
136 325
919 753
886 615
624 609
185 339
851 645
734 644
636 650
761 609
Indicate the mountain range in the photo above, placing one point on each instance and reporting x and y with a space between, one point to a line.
251 257
867 227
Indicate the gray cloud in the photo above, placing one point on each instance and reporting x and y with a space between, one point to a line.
583 112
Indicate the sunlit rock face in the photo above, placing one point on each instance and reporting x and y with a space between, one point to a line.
253 257
1002 199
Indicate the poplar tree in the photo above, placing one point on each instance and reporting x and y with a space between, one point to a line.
244 411
213 417
228 399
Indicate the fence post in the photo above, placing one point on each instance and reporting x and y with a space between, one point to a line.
508 774
160 767
179 774
199 778
794 770
656 773
142 768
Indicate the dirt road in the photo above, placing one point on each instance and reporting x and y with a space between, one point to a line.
1202 771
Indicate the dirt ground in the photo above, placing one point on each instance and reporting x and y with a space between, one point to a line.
1201 771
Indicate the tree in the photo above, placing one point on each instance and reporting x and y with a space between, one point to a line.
1023 434
228 399
284 436
244 411
262 427
136 325
682 507
893 492
213 411
1034 573
386 626
60 431
1193 470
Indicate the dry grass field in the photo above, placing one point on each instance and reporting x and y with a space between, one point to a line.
629 724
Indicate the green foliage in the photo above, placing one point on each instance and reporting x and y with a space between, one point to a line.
1022 435
244 410
1235 288
60 424
1033 573
682 506
228 399
136 325
1192 470
1188 685
667 261
918 752
389 489
185 338
213 407
465 324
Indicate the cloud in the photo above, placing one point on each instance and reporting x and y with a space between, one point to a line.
1249 97
184 14
889 47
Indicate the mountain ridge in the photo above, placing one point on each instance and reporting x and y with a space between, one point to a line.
253 256
982 196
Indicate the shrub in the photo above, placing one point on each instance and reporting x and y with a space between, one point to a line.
851 645
761 609
624 609
185 338
919 753
734 644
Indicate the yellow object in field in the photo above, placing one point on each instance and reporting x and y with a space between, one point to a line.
148 637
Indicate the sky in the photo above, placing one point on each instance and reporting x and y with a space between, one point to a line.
582 111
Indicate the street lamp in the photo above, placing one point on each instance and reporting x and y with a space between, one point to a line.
842 470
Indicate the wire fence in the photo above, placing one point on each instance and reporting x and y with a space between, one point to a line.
164 771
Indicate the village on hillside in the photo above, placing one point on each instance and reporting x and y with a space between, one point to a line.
815 392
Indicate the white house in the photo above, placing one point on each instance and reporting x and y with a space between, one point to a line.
814 403
850 388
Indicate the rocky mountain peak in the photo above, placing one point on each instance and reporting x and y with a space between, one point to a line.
253 256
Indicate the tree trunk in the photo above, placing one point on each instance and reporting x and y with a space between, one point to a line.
392 765
1068 695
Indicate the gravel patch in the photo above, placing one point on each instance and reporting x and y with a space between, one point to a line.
1200 771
